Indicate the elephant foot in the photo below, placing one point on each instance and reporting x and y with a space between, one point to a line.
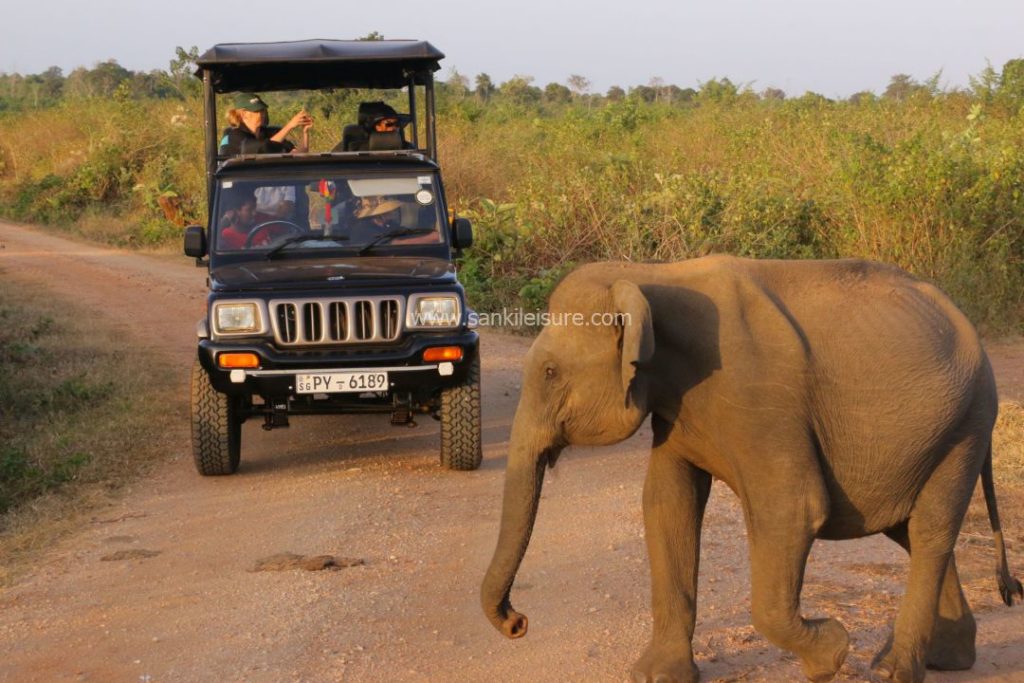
899 667
832 645
951 647
662 664
952 644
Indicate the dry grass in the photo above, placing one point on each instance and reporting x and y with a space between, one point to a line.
83 416
1008 468
1008 444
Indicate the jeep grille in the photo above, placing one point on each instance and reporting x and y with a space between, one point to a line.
336 321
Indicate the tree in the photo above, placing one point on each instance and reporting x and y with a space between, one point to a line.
657 85
52 81
1011 83
556 93
457 84
372 35
773 94
684 94
100 81
717 90
644 93
518 89
179 73
862 97
615 94
579 85
484 86
900 88
985 84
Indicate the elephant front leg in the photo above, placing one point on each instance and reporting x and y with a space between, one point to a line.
675 493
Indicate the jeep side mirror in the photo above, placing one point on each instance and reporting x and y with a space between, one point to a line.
195 241
462 231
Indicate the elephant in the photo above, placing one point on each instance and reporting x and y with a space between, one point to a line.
837 399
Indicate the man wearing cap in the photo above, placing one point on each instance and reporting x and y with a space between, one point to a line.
248 132
378 214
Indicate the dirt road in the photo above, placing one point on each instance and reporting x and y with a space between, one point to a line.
359 488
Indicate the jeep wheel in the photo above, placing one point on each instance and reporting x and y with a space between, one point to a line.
216 427
460 423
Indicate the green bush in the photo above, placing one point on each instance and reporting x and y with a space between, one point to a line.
933 182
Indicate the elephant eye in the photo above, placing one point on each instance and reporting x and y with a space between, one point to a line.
550 372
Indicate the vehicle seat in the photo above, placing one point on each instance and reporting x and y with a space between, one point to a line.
354 138
385 141
265 146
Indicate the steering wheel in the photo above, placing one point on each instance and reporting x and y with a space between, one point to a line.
272 231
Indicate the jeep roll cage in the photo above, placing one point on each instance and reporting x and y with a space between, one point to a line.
318 65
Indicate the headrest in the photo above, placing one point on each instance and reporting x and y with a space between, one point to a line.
385 141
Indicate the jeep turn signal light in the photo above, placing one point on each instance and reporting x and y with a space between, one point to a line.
238 360
441 353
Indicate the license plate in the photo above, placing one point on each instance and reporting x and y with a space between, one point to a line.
341 382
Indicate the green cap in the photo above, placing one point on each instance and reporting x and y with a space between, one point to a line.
250 102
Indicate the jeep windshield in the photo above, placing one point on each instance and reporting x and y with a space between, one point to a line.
293 216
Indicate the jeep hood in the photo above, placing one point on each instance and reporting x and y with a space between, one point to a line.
292 273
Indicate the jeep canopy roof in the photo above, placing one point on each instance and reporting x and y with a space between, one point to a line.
316 64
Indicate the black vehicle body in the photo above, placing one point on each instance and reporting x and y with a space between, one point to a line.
340 307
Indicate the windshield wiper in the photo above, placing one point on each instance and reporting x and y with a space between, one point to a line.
305 237
388 236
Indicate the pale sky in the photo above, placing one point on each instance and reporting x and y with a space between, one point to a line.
834 47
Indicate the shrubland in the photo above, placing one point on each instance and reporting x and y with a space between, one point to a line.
928 179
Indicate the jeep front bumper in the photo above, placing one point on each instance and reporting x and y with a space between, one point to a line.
274 378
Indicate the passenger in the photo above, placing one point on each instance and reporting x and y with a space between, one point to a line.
379 127
276 200
248 132
376 215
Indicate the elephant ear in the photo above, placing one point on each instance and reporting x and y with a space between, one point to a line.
637 338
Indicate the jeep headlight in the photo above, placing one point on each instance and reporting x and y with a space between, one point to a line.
236 318
435 311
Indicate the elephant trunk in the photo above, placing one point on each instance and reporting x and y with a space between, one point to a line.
523 480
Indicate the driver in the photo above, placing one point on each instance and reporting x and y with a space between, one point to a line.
237 220
240 219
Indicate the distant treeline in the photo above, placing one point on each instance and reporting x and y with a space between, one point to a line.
110 79
922 176
106 79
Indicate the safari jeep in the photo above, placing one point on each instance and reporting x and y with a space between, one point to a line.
340 294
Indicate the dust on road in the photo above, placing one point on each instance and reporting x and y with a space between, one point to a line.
360 489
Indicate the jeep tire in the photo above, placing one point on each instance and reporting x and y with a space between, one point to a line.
216 427
461 447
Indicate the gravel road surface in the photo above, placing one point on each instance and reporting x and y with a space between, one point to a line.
192 609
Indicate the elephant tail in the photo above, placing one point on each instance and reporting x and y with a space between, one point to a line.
1008 585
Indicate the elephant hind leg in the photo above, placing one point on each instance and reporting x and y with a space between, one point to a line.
931 534
952 645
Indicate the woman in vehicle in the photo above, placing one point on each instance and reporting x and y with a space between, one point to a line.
248 132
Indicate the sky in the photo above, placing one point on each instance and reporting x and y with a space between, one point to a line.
833 47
